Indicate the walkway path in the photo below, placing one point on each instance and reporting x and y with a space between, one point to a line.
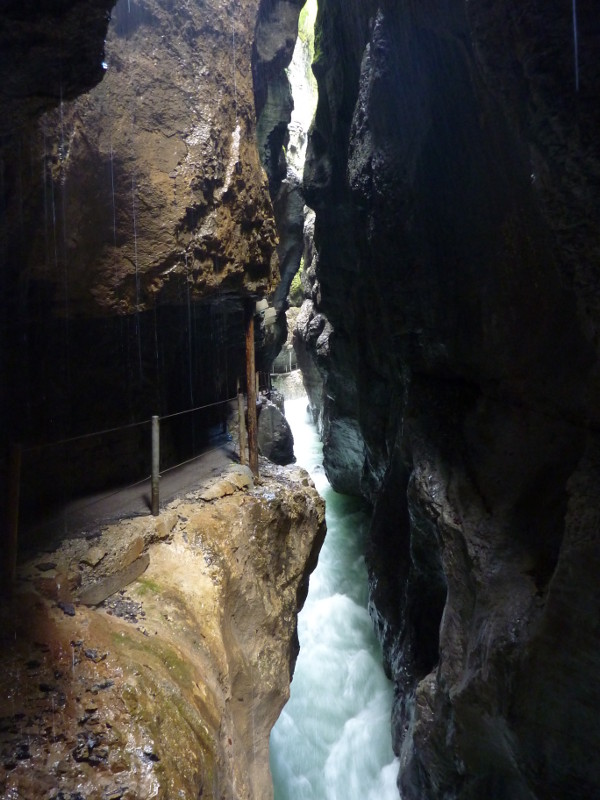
87 514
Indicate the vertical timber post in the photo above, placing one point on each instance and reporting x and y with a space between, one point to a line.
241 425
251 389
14 502
155 464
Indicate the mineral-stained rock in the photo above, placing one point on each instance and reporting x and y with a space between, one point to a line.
178 699
174 192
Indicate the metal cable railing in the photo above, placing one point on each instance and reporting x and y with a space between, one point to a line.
105 431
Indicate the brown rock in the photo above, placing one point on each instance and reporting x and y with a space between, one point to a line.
165 524
93 556
99 591
132 552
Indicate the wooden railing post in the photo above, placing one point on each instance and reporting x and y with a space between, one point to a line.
155 464
251 390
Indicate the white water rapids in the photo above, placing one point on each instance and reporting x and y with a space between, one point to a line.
332 740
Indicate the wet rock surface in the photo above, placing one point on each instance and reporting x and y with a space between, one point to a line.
275 439
170 687
447 166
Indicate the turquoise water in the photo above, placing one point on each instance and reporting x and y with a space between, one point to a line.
332 740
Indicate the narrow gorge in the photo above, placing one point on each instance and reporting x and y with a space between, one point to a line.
441 236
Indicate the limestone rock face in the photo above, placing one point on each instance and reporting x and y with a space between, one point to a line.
171 686
450 166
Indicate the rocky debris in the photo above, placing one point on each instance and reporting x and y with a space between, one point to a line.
89 748
218 490
124 607
46 566
94 655
115 793
68 796
275 438
241 476
67 608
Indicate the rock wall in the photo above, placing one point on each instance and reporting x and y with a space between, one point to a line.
152 180
276 35
453 167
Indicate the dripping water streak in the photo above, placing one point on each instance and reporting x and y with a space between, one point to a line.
233 65
576 45
114 208
189 320
137 278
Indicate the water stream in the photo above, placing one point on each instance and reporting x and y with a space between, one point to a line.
332 740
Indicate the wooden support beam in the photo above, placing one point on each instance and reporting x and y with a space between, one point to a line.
251 389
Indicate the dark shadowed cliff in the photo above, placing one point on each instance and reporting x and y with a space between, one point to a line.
454 168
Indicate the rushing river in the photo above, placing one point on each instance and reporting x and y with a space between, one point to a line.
332 740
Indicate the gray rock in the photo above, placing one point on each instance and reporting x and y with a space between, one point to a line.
275 439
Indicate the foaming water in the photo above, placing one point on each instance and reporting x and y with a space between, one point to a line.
332 740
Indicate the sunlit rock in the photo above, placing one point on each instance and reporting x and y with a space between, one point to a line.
170 687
